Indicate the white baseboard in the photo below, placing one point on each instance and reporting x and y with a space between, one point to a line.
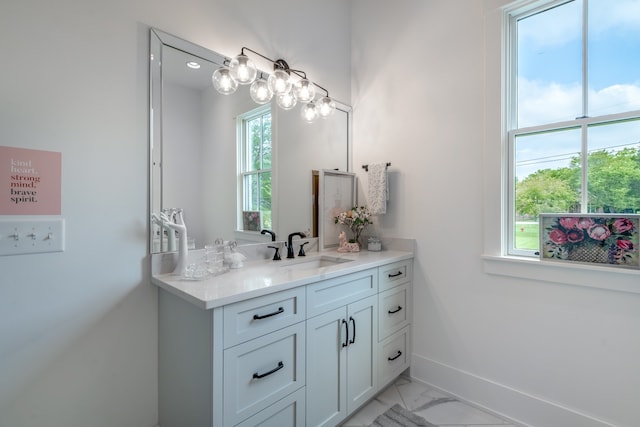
519 407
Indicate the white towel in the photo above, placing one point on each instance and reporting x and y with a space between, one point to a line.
378 188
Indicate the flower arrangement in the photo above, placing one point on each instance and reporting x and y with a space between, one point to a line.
590 238
356 219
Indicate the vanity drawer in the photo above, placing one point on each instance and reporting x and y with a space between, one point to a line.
288 412
394 356
395 274
393 311
252 318
333 293
260 372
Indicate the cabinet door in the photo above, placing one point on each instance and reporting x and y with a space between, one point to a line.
326 374
362 352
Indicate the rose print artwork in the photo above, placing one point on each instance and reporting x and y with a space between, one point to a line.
602 239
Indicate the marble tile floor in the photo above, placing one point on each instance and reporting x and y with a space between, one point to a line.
432 405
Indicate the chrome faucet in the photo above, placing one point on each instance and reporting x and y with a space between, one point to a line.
290 243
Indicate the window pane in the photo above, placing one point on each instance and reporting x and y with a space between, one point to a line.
549 70
613 174
266 141
251 192
614 56
254 142
265 199
547 170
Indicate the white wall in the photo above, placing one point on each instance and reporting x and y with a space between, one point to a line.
545 353
78 340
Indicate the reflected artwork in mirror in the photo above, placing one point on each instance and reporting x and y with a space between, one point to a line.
194 154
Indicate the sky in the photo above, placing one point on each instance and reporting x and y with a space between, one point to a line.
550 77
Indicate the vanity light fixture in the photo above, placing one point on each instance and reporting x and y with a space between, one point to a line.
309 112
223 82
241 70
286 100
260 92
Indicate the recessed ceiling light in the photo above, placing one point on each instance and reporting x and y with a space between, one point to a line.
193 64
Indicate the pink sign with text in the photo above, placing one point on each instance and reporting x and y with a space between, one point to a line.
30 182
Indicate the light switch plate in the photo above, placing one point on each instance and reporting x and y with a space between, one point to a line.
31 236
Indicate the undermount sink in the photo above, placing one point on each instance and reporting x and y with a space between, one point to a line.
317 262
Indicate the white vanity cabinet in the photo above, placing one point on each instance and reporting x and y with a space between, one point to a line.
240 364
394 320
307 355
341 346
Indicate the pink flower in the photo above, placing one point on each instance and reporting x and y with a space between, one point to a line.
622 224
584 223
557 236
575 235
569 222
599 232
625 245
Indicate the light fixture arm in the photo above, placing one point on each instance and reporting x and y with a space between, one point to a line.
282 65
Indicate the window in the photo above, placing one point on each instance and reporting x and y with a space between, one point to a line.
573 113
255 169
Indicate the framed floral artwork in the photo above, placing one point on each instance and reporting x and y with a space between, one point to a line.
591 238
251 220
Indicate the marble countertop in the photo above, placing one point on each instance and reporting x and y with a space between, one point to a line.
258 278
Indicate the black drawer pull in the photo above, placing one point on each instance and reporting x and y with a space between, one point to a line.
395 357
399 273
351 319
395 311
274 370
346 341
258 317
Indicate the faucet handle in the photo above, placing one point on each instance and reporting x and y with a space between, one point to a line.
276 255
301 252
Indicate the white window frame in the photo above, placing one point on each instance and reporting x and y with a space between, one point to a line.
241 125
519 270
581 122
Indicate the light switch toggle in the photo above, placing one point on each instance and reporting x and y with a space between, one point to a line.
31 235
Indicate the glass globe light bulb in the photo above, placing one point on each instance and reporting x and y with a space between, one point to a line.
326 107
279 82
304 91
286 100
260 92
309 112
243 70
223 82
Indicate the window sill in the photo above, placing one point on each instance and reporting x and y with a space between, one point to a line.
601 277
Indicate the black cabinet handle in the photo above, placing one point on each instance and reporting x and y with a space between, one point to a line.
395 357
258 317
351 319
399 273
395 311
276 369
346 341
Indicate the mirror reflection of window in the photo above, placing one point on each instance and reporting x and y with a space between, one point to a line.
255 169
